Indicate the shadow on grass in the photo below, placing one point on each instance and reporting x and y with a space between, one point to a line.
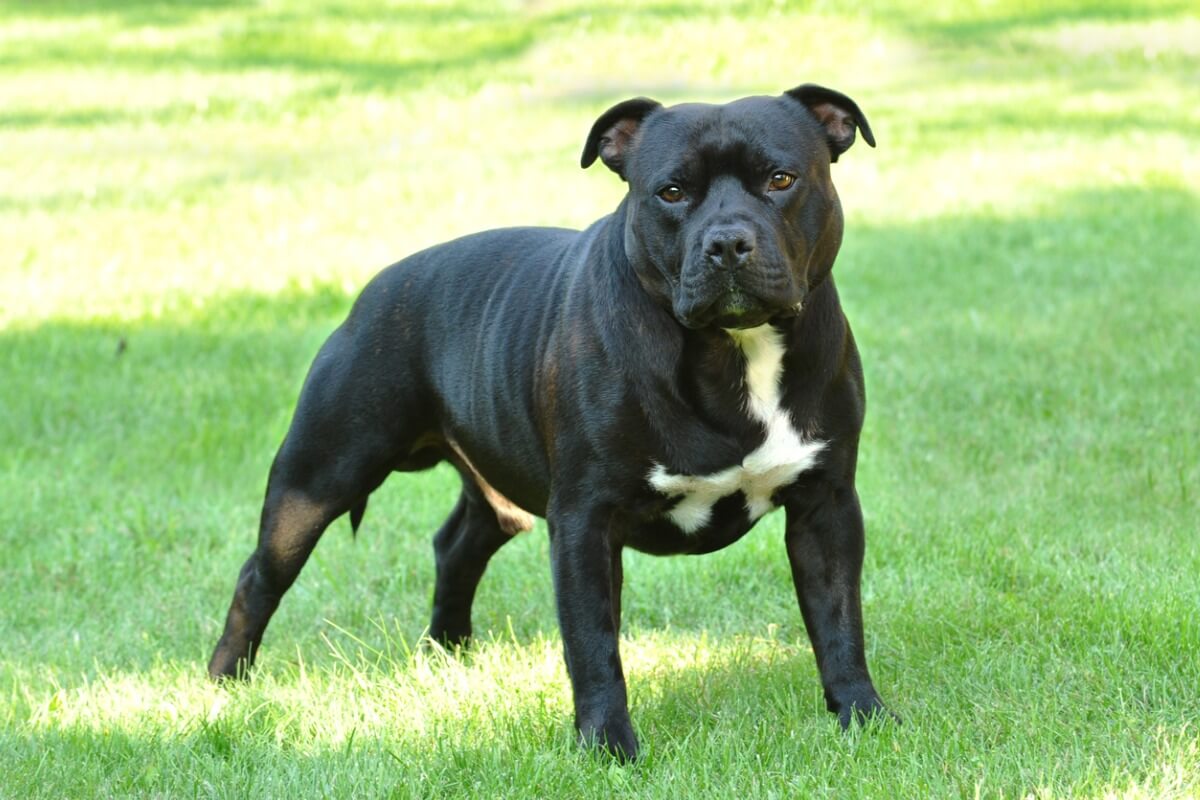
79 390
930 22
136 12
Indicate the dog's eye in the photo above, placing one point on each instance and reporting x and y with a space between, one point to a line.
671 194
781 181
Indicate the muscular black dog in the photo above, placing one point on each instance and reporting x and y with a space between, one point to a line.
658 381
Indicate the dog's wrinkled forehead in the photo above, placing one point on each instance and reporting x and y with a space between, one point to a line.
753 135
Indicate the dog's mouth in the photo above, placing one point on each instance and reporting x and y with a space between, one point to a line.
734 309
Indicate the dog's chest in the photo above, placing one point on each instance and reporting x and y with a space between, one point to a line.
777 462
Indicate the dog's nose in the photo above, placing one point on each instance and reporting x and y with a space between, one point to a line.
729 246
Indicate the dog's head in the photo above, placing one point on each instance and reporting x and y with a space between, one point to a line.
731 215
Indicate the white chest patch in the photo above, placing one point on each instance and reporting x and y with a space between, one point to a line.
781 457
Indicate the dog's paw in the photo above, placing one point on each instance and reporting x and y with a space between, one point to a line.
455 644
226 668
614 740
860 708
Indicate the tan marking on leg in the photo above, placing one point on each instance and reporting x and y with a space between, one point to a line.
296 519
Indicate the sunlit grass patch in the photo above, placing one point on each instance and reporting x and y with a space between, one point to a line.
382 685
1150 40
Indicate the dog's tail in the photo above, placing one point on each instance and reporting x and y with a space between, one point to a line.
356 515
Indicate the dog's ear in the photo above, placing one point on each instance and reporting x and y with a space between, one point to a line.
616 132
838 115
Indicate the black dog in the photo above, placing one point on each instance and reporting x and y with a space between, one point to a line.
658 381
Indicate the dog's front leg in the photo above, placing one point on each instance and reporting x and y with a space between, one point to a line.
825 548
586 564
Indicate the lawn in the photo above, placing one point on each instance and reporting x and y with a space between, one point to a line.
192 193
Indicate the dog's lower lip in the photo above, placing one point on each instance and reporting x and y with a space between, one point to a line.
741 322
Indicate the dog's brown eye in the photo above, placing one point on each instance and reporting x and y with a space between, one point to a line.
671 194
781 181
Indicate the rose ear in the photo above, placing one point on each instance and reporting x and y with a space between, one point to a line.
838 115
615 133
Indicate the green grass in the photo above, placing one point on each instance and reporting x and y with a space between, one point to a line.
191 193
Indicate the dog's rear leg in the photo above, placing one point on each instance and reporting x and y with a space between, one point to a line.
339 448
305 492
462 548
292 522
